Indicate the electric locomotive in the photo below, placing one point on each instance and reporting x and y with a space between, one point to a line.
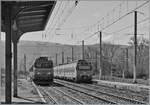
42 70
78 71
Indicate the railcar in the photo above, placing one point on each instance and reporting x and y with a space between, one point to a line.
78 71
42 70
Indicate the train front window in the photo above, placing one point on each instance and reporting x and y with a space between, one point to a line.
84 67
43 65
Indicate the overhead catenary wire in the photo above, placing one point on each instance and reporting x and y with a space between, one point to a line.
67 16
58 18
56 14
124 15
59 22
102 29
118 20
127 27
117 30
88 26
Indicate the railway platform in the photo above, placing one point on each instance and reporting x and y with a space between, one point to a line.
27 94
126 86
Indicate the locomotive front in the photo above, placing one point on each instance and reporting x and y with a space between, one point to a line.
43 70
84 71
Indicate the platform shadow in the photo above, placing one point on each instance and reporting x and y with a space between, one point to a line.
32 101
23 103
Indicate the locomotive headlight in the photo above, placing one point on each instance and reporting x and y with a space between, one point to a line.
38 73
49 73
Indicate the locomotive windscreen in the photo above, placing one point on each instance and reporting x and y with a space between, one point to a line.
42 62
43 65
83 62
84 65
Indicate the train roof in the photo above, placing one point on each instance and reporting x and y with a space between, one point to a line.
76 61
80 60
44 58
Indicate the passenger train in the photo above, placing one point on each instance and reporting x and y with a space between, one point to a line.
42 70
77 71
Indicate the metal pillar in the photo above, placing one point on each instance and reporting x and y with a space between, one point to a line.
0 53
123 72
72 53
15 68
56 58
135 45
100 53
1 77
25 66
83 49
67 60
96 60
62 57
127 59
8 55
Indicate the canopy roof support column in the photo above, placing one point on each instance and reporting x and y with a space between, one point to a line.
15 42
8 55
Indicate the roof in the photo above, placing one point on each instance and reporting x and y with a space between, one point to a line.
29 15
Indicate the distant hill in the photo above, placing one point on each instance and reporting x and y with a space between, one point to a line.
34 49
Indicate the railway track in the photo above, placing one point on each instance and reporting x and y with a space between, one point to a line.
44 95
61 97
87 93
86 98
109 97
75 100
125 94
48 97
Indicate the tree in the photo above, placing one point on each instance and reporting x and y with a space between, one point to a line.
142 54
120 62
90 54
108 52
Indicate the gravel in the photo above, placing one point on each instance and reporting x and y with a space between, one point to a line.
117 92
81 96
90 90
59 97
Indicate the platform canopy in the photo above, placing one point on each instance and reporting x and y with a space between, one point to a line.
28 16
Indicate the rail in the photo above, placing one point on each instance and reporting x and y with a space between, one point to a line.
109 95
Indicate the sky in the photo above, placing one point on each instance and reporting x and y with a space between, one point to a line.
87 13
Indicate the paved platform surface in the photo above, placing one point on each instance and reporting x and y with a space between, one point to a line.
129 86
26 94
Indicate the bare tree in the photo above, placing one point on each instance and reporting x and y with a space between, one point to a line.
108 52
120 62
142 45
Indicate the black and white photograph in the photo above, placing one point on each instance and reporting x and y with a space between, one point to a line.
74 52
